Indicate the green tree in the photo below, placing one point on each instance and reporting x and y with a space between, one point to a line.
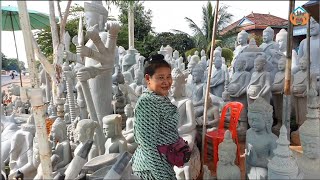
203 34
179 42
11 64
142 24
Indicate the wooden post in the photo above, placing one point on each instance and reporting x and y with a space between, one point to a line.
27 36
308 55
38 109
286 97
208 80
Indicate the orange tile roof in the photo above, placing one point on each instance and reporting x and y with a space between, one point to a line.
261 21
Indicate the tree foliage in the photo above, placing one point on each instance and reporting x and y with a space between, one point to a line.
12 64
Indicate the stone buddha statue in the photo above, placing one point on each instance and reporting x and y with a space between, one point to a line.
129 60
128 132
299 91
122 52
236 90
309 132
268 43
127 78
162 51
85 130
218 78
260 141
119 102
260 84
116 142
21 152
242 41
277 94
138 80
175 59
314 48
62 147
283 165
194 60
226 168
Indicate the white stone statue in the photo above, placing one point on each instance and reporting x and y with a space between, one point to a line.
128 131
116 143
283 165
169 51
260 84
85 130
21 153
226 168
194 60
277 94
62 147
309 132
268 43
242 41
260 141
122 52
129 60
314 47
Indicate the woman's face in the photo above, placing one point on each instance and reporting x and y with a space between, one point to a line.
160 82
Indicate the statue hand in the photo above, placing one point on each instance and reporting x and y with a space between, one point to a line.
83 76
67 55
84 51
93 32
113 28
86 73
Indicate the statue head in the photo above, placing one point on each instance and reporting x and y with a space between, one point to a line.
85 129
217 51
240 64
195 57
127 77
128 111
202 53
260 62
95 13
217 62
242 38
196 53
178 83
281 39
29 126
175 54
112 125
192 63
268 34
59 130
314 27
227 150
260 115
282 63
197 73
303 63
117 77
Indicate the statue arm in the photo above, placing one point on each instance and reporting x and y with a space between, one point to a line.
246 83
266 89
300 51
190 119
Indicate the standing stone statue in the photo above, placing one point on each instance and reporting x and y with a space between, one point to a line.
314 48
299 91
260 84
217 78
283 165
237 89
260 141
226 168
242 40
100 52
268 43
309 132
277 94
116 143
128 132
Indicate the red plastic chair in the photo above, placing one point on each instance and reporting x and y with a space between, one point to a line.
217 136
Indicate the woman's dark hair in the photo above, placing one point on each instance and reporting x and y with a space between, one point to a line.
154 62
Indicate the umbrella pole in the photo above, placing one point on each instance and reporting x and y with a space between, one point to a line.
208 82
15 44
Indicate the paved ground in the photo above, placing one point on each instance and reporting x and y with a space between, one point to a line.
6 81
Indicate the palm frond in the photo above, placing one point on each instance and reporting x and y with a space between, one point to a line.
178 31
194 27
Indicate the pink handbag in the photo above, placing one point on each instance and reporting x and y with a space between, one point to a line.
177 153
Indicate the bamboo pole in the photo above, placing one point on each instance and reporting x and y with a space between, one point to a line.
27 36
208 80
286 97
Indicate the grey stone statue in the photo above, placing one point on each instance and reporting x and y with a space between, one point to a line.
237 89
116 143
283 165
226 168
217 78
268 43
309 132
260 84
260 141
277 94
129 60
128 131
242 40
